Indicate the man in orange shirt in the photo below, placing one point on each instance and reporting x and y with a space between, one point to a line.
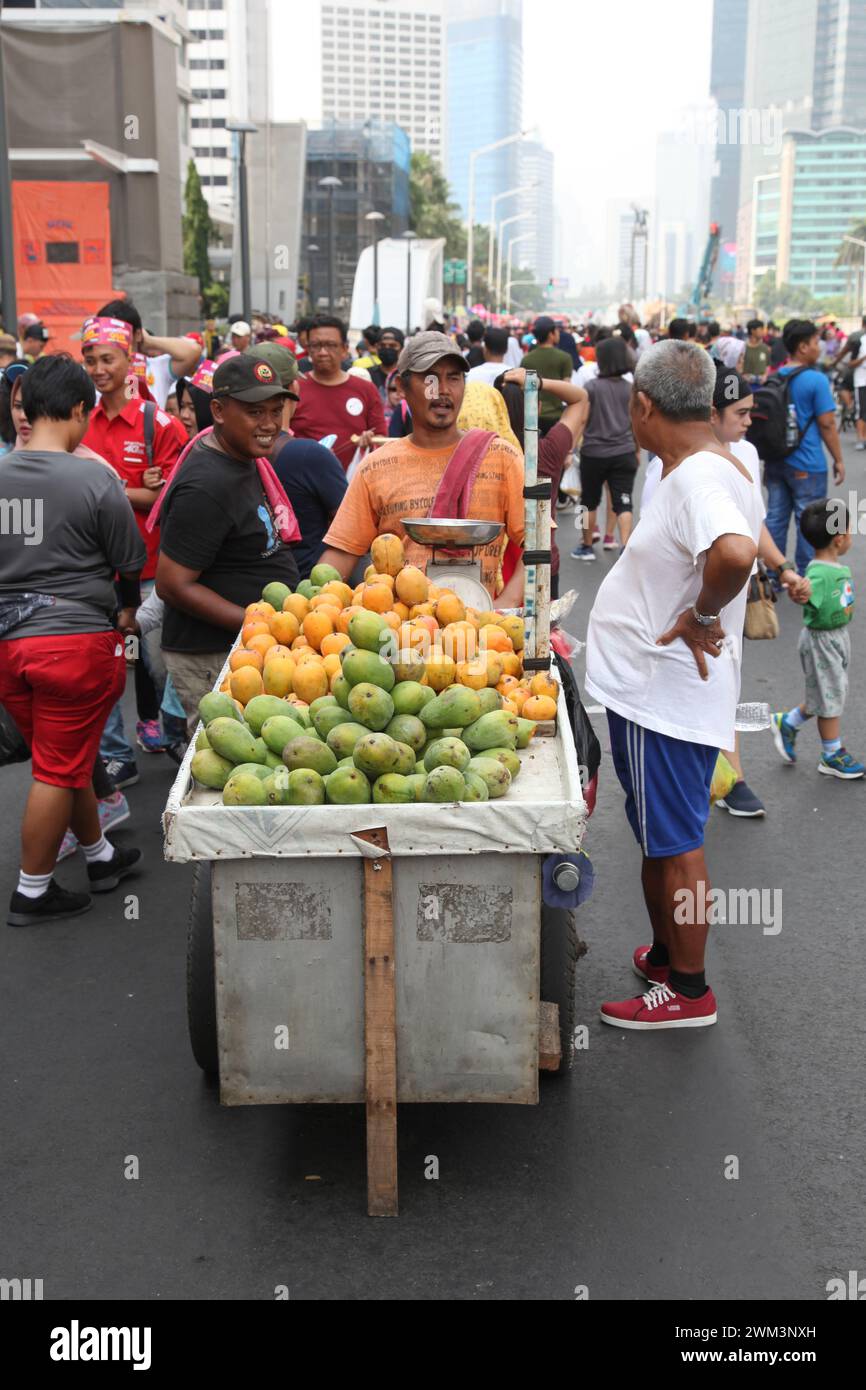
401 478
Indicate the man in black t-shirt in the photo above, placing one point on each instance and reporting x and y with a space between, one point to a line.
220 540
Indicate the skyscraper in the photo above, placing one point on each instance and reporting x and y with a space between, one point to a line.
807 61
727 77
384 60
536 168
485 97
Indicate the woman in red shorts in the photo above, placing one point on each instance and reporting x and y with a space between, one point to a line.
66 529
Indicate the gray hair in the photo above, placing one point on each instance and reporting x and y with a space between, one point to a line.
679 378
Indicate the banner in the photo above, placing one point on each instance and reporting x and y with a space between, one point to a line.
62 255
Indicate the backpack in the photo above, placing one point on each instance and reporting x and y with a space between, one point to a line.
769 428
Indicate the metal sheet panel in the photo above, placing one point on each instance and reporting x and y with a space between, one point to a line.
467 956
289 969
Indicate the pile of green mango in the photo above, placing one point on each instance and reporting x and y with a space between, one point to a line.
375 739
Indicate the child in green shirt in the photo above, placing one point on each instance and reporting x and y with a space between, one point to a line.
825 647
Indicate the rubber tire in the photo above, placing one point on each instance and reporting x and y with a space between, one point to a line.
200 974
561 949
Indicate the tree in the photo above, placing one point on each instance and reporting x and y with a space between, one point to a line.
432 213
197 230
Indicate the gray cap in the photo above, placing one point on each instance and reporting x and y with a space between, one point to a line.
426 349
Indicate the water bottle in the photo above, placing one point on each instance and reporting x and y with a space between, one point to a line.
751 717
792 429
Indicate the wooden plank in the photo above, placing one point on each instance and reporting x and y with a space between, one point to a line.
545 728
549 1042
380 1029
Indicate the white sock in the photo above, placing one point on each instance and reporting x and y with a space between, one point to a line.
98 853
33 885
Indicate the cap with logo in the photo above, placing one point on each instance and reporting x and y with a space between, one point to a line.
36 330
424 350
282 361
246 379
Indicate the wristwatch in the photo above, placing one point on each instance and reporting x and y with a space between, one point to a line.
705 619
787 565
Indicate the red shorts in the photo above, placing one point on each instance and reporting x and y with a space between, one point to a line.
60 691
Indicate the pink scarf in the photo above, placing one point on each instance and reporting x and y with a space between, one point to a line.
287 522
455 485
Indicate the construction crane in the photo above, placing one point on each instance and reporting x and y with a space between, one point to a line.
704 283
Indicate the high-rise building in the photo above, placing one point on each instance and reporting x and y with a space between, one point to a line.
727 77
536 169
681 211
806 62
371 160
626 264
384 60
485 97
797 230
230 55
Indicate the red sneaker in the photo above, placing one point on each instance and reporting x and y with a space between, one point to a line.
661 1007
656 974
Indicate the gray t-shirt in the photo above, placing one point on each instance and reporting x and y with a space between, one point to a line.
608 429
65 528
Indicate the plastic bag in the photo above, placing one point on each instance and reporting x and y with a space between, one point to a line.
13 749
724 778
586 743
570 480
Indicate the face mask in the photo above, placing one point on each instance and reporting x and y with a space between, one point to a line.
388 356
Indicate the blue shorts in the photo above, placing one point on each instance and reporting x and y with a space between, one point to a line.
667 786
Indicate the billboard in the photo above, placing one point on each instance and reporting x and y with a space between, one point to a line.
62 237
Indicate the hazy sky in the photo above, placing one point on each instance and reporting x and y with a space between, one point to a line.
601 81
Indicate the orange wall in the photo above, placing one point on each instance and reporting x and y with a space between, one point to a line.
62 255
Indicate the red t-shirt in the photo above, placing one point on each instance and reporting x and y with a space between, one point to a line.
121 442
343 410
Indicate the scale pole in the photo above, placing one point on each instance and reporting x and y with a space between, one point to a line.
530 540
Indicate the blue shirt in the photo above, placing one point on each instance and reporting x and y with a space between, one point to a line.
811 396
315 485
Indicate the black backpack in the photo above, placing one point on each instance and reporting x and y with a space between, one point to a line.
769 428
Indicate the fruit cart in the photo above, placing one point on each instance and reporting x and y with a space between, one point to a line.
386 953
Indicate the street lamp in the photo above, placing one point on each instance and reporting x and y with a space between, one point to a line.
331 182
857 241
409 237
470 239
375 217
524 236
499 198
312 250
242 129
507 222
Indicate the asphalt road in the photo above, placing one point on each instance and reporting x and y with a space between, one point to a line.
616 1181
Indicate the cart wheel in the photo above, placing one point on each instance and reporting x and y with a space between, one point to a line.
200 979
561 949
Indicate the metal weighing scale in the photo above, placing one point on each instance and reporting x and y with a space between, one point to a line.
453 563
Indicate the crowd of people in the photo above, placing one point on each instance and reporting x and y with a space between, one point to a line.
178 475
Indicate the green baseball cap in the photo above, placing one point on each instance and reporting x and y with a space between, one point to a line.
283 362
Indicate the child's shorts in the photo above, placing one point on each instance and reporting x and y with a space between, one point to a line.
824 656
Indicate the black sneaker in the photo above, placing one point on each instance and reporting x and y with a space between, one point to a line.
106 874
122 774
741 801
55 902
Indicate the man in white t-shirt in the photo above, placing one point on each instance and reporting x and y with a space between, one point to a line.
663 657
495 348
